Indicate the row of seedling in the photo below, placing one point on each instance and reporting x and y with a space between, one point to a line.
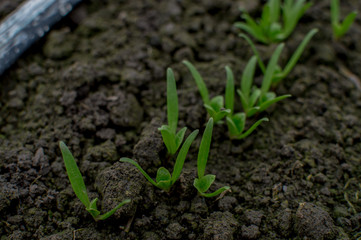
164 179
254 100
278 20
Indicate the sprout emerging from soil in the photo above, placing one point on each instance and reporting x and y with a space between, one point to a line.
171 138
164 180
203 182
280 73
236 122
78 185
255 100
215 106
269 28
340 28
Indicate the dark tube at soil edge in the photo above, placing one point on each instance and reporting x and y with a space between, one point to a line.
27 24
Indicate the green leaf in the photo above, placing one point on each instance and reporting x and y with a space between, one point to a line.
75 177
204 148
92 208
247 78
199 81
252 111
259 36
203 183
111 212
163 175
236 124
254 126
266 104
217 103
216 193
210 110
168 138
268 96
295 57
254 29
232 128
178 166
255 51
93 204
229 89
179 137
264 22
292 13
163 179
172 101
275 9
335 12
220 115
346 24
254 97
244 101
128 160
271 67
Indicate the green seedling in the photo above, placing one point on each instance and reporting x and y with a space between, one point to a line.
269 28
164 180
203 182
340 28
78 185
255 100
280 73
215 106
171 138
236 122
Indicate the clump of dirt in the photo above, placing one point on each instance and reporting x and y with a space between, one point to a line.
99 85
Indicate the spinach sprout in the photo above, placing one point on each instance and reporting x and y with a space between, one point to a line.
280 73
214 106
269 28
164 180
203 182
78 185
236 122
171 138
340 28
253 99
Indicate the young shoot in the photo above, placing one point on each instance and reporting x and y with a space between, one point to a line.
270 29
164 180
340 28
253 99
171 138
203 182
78 185
215 106
280 73
236 122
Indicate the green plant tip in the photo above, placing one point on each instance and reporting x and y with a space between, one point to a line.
78 185
340 28
164 180
269 28
215 106
203 182
171 138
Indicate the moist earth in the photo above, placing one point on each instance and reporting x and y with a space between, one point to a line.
97 82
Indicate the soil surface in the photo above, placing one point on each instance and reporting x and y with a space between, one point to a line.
97 82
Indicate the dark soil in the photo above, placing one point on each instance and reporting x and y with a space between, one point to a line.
98 83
